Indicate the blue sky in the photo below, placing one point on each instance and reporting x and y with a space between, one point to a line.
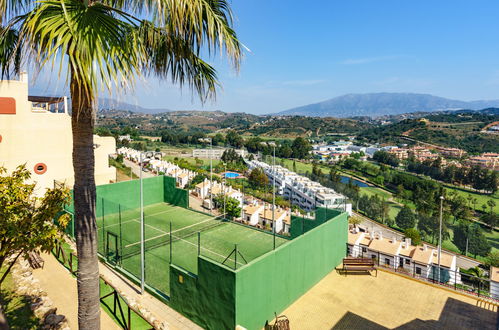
308 51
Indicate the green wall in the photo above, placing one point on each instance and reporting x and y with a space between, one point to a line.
156 189
173 195
221 298
209 299
127 194
274 281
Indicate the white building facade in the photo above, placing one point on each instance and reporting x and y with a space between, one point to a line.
36 131
300 190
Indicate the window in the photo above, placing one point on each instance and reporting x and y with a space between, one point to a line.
40 168
364 249
373 256
407 261
387 261
418 270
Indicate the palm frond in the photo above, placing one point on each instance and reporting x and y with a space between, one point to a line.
10 54
99 46
169 56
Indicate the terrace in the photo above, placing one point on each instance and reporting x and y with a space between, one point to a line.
386 301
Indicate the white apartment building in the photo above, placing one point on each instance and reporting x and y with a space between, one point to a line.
300 190
182 176
215 153
419 261
203 191
36 131
261 215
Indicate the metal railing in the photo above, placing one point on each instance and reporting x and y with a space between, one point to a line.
454 279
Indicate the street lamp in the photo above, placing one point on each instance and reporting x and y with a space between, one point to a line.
273 145
440 235
223 188
142 233
211 169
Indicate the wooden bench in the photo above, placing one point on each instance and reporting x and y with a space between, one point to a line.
359 264
35 260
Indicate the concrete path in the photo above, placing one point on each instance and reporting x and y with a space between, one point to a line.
136 169
60 287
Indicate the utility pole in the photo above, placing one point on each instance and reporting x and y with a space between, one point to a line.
142 247
440 235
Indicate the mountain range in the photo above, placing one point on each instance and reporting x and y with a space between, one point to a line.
382 104
112 104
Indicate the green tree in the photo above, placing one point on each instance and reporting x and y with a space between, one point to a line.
25 220
491 203
257 178
473 235
414 235
491 219
301 148
234 139
218 139
354 220
334 175
108 44
232 207
285 151
493 258
405 219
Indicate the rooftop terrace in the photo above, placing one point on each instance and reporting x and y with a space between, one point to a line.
386 301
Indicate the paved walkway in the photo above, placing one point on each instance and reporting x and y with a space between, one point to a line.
153 308
136 169
60 287
386 301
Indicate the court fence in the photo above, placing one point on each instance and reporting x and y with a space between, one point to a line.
217 278
453 279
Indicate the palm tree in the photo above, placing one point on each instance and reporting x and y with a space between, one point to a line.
108 44
491 203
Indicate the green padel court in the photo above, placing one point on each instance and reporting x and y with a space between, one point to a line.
192 233
218 273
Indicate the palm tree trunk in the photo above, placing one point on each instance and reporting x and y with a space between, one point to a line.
84 203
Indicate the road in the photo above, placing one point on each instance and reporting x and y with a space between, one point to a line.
373 226
136 169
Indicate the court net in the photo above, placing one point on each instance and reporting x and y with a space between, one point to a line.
165 238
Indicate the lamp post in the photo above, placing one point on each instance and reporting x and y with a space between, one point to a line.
142 248
440 235
211 169
223 188
273 145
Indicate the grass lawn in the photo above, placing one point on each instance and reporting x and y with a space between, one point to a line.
192 161
481 198
16 308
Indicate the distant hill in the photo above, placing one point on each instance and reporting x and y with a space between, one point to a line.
383 104
112 104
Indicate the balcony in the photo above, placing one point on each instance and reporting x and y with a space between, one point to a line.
48 104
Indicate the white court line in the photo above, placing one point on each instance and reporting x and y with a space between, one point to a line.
181 239
138 219
167 233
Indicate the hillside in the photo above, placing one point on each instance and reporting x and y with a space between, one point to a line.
112 104
176 121
294 126
382 104
463 129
